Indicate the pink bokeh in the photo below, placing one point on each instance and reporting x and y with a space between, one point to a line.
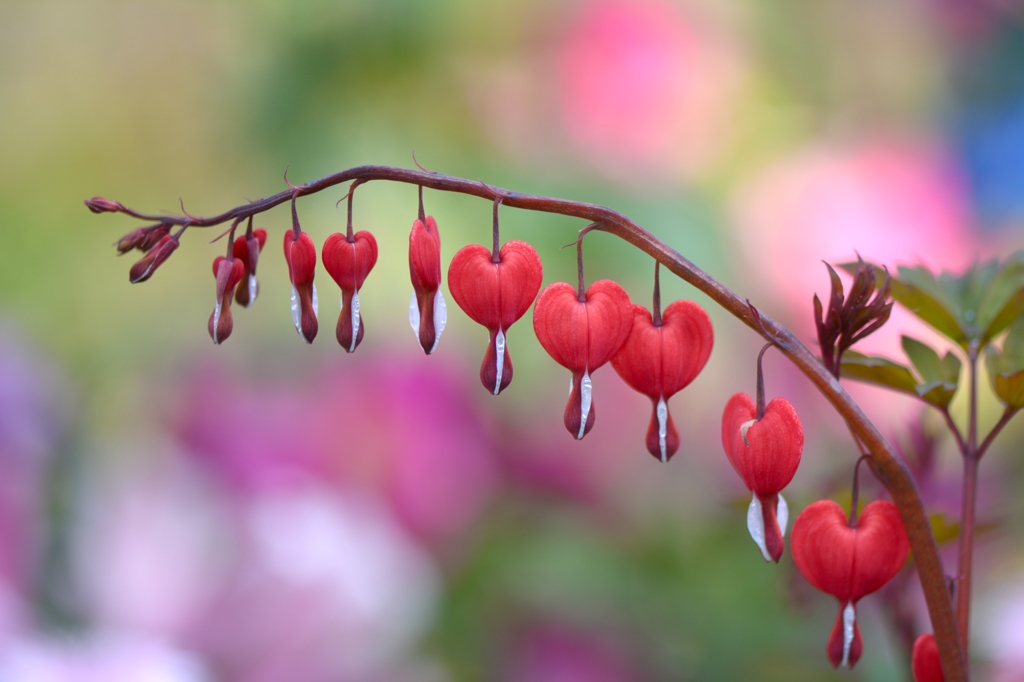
642 84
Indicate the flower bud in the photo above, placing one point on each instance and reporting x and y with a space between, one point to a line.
228 272
154 258
101 205
247 249
428 313
300 254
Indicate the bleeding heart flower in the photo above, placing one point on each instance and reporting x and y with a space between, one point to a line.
144 268
349 261
228 272
765 453
581 333
427 311
247 249
848 562
661 358
495 292
925 660
300 254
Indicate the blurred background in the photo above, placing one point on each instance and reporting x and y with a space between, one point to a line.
267 511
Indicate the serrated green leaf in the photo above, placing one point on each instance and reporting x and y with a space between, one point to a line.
1003 299
879 371
938 393
951 367
930 309
924 358
1013 348
1010 389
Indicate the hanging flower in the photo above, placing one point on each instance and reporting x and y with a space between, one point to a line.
348 261
849 559
247 249
228 272
495 290
428 313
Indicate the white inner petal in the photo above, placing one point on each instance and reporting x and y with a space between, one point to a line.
414 315
744 427
499 350
585 390
316 304
355 321
662 426
296 310
849 620
253 290
216 319
782 514
440 317
755 524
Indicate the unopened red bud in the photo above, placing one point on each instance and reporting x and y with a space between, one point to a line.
153 236
101 205
132 240
300 253
145 266
228 272
247 249
428 313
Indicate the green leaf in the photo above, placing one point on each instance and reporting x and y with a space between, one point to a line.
928 308
879 371
951 366
925 360
938 393
1003 300
1010 389
1013 347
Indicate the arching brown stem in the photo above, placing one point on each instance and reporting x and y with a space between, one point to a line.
891 470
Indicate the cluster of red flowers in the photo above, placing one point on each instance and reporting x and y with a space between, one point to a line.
583 328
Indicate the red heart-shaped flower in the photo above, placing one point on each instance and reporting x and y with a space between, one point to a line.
300 254
766 454
925 660
661 360
581 336
849 562
495 294
348 263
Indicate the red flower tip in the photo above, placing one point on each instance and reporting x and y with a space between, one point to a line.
925 660
428 313
144 268
660 361
848 562
101 205
582 336
348 264
247 249
228 272
495 295
766 454
300 255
